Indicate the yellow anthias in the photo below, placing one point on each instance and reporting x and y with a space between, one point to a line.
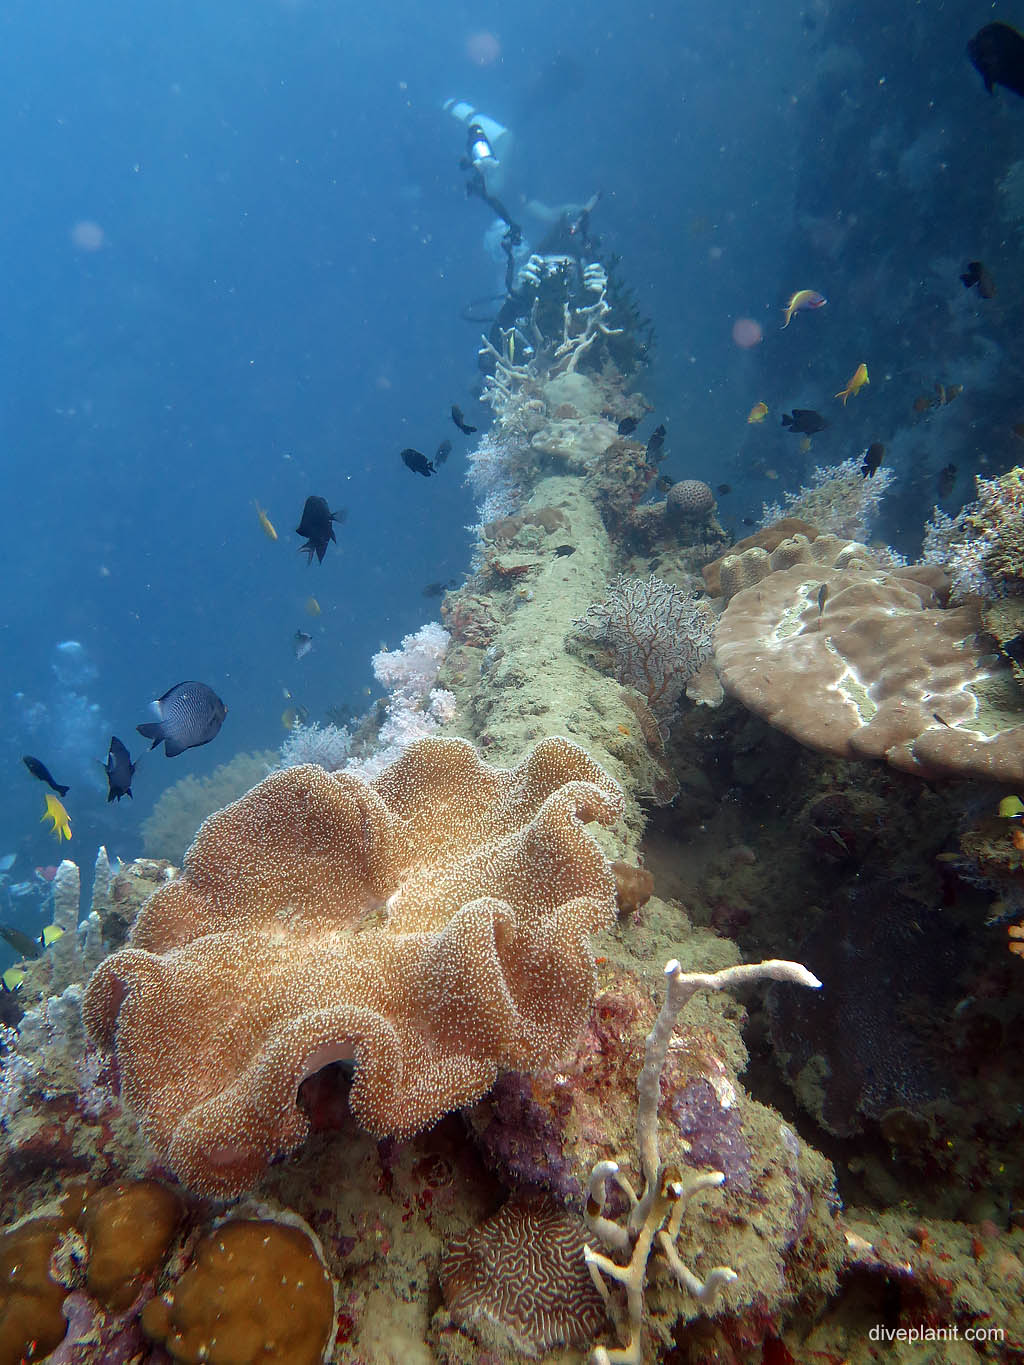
265 522
61 820
857 381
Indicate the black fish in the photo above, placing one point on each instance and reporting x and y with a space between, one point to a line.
1014 649
563 551
21 942
997 54
664 482
804 421
822 597
316 527
724 488
190 714
627 426
749 521
120 770
946 480
655 442
873 457
977 275
41 771
441 453
419 464
439 589
460 421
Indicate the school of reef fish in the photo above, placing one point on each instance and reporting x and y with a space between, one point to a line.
641 977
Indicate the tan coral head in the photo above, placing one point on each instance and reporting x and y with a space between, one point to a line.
432 924
865 663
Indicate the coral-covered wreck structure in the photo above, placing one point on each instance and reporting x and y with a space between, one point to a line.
393 1067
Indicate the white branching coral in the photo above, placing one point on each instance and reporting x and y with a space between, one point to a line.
48 1056
415 665
982 547
497 472
513 390
839 500
416 707
655 1217
660 636
327 745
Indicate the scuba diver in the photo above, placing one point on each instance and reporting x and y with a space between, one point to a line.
545 278
484 174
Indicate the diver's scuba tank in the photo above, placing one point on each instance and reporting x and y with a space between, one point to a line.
487 138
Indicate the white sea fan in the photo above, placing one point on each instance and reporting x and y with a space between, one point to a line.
660 635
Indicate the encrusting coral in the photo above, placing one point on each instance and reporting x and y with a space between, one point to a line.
865 663
270 957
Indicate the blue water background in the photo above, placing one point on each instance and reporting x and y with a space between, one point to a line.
275 310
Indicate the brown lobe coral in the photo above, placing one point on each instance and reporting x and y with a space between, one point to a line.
31 1322
129 1227
257 1291
268 959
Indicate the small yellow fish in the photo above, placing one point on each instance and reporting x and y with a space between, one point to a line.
13 977
856 382
51 933
61 821
805 444
294 716
801 301
312 607
1011 808
265 522
758 412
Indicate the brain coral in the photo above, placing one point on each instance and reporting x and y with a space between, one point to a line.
522 1274
689 498
864 663
431 924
